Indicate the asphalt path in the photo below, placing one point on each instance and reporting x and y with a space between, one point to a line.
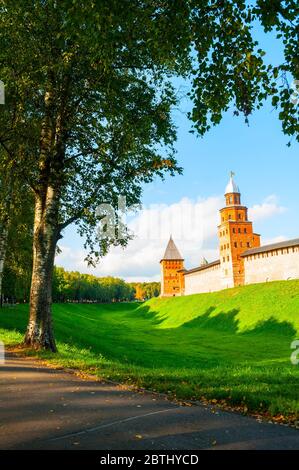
46 408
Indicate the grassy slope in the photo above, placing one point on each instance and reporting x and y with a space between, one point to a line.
232 345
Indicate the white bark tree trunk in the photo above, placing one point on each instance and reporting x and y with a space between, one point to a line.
39 333
7 191
3 248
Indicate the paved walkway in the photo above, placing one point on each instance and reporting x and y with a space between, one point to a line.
43 408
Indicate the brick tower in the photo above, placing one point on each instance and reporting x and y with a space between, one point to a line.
172 281
235 236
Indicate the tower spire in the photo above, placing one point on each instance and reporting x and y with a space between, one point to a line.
171 252
232 187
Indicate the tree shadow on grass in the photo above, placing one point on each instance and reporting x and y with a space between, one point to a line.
272 327
222 321
206 341
206 356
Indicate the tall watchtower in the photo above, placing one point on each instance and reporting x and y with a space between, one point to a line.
235 236
172 281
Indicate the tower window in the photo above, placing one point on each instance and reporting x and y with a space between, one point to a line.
239 230
235 244
245 230
228 258
234 230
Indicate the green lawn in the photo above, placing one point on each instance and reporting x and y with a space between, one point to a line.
232 345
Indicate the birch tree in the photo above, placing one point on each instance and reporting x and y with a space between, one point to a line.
4 226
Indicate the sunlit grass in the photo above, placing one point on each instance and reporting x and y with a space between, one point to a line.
232 345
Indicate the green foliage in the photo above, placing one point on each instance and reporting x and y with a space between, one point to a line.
146 290
18 264
16 216
99 77
93 85
232 345
282 17
74 286
230 68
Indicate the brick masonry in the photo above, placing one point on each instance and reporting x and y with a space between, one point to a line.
242 260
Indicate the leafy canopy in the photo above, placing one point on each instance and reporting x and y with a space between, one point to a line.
96 80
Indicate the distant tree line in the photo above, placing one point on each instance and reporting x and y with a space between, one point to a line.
146 290
76 287
70 286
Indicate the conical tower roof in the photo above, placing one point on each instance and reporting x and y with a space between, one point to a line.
232 187
171 252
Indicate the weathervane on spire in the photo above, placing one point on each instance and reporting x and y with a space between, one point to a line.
232 187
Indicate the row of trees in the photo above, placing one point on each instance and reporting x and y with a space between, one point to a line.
89 92
146 290
69 286
74 286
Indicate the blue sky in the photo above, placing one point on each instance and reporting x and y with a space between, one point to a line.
259 156
266 172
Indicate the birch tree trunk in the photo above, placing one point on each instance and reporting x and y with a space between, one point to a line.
3 248
6 194
39 333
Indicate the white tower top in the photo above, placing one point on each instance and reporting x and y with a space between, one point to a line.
232 187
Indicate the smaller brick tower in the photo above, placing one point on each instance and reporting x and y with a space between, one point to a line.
172 281
235 236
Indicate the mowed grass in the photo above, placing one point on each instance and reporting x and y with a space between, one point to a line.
231 346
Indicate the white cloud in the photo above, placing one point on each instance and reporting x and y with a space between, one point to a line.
192 223
270 241
268 208
72 260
